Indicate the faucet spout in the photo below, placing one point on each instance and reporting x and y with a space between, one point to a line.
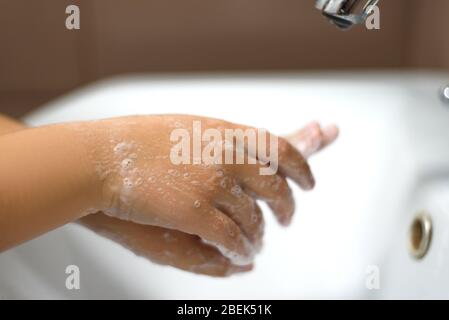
345 13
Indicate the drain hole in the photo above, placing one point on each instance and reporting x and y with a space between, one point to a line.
420 235
417 234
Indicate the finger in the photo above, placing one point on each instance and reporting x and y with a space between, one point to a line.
312 138
164 246
214 227
290 161
224 193
198 216
243 209
294 166
308 139
273 189
220 231
330 134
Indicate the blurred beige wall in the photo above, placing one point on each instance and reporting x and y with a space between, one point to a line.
40 58
428 34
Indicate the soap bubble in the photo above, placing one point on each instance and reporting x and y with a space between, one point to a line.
127 183
236 190
219 173
151 179
126 163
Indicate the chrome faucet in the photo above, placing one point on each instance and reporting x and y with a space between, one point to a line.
345 13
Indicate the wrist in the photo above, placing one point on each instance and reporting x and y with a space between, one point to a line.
81 179
99 141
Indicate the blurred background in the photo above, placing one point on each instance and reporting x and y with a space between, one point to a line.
40 59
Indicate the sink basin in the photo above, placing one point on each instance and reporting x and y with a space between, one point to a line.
425 278
390 162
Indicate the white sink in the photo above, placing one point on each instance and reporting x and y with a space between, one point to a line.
427 278
390 161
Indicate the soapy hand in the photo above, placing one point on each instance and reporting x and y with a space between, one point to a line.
201 218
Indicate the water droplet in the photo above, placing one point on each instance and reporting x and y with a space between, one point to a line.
120 147
173 172
138 181
236 190
197 204
219 173
223 183
127 183
151 179
186 174
126 163
254 218
168 237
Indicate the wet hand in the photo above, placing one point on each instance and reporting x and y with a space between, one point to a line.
215 203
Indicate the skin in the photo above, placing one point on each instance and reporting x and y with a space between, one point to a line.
147 221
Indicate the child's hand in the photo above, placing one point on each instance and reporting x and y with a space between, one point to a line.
236 212
214 202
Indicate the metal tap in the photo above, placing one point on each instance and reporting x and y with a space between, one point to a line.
345 13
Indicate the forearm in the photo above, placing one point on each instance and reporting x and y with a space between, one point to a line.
46 180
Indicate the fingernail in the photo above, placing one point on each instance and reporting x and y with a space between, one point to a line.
309 183
332 129
286 221
240 269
